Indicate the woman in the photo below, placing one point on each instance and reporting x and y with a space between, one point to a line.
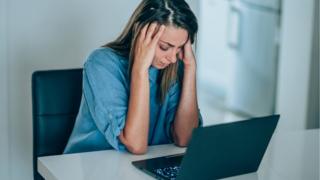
140 89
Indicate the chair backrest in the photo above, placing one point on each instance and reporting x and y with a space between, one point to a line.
56 96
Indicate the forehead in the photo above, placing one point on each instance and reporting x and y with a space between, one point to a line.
175 36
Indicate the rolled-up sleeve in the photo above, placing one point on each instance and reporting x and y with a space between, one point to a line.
107 97
173 102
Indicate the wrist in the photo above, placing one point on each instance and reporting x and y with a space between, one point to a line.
139 69
139 72
190 68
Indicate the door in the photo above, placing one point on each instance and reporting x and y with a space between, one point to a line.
255 65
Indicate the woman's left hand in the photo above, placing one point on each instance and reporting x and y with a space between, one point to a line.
187 56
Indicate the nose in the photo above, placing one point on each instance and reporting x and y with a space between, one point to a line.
173 56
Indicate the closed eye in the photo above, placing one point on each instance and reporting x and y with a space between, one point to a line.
164 48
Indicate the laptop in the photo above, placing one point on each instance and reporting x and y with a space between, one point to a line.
216 152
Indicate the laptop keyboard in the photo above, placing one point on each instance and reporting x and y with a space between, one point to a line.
168 172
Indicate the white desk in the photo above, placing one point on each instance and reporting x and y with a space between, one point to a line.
293 156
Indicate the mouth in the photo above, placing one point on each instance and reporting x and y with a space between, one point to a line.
162 64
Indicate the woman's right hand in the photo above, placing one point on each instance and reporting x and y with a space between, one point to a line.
145 46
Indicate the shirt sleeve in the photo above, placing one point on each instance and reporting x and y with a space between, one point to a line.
106 96
174 98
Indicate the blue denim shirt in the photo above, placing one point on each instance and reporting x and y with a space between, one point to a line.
104 105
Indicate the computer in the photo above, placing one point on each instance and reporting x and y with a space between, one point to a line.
216 151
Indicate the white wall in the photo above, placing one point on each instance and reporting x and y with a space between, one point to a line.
49 35
295 63
4 142
41 35
214 55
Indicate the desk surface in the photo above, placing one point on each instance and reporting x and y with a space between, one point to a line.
293 156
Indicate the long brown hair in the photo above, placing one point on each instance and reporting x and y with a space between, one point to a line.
167 12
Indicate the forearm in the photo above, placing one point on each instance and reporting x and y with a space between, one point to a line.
135 133
187 112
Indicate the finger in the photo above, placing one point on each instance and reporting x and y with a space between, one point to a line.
187 49
188 45
180 54
143 32
158 34
150 31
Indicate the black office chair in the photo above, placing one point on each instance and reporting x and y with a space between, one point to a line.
56 96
